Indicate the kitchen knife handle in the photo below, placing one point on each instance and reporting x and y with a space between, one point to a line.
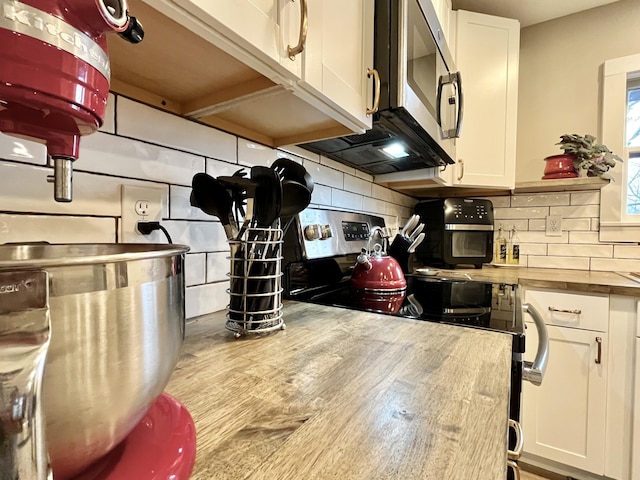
376 90
302 37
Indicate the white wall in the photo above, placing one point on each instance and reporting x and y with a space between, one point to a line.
560 77
139 145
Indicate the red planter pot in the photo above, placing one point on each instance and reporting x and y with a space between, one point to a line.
559 166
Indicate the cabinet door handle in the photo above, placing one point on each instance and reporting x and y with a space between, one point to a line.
577 311
516 469
461 169
599 356
517 451
376 90
302 37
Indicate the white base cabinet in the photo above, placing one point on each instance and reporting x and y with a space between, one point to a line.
578 422
635 467
564 418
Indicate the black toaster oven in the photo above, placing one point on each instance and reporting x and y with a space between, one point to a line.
458 231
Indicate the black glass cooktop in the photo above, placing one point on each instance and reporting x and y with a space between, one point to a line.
456 301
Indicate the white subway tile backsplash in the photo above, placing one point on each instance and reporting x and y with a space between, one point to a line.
25 189
321 195
142 122
251 154
539 224
500 202
569 263
325 175
217 266
56 229
576 224
217 168
586 198
357 185
195 269
569 250
576 211
199 236
583 237
615 265
515 213
626 251
180 207
109 154
540 200
541 237
346 200
364 176
109 124
21 150
508 224
207 298
337 165
533 248
300 152
388 195
373 205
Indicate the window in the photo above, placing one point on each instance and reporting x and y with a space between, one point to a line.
620 201
633 145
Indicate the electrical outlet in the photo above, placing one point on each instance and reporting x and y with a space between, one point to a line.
140 204
554 226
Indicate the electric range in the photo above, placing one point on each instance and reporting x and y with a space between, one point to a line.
320 251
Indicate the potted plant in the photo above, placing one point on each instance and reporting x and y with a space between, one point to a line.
590 158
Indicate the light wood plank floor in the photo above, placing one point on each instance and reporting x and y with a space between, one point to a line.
530 476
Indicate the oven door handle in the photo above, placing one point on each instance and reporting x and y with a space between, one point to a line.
534 372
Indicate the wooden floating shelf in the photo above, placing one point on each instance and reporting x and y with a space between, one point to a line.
561 185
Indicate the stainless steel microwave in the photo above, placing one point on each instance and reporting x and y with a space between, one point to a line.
420 96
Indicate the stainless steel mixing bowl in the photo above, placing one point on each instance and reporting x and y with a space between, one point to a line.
117 324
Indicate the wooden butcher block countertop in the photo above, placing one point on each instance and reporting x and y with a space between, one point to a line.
348 395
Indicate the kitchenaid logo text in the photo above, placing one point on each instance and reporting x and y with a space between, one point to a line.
37 24
12 288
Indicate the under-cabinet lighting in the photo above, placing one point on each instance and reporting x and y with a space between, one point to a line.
396 150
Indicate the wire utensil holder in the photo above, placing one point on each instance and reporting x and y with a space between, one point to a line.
255 276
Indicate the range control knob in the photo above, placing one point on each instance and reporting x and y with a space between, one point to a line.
325 232
312 232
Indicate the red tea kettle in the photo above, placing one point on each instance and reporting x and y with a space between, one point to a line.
55 73
377 271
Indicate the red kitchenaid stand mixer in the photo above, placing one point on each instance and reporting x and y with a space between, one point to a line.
54 73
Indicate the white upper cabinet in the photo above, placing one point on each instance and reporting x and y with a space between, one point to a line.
274 71
487 55
338 53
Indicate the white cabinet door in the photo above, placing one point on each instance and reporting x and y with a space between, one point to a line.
251 24
564 418
338 51
487 56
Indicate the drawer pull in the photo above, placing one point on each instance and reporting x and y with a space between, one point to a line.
577 311
599 356
517 450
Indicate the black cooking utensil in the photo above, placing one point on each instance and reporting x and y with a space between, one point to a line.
212 198
297 186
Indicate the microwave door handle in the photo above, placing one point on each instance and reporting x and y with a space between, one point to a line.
534 372
441 84
458 82
449 79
